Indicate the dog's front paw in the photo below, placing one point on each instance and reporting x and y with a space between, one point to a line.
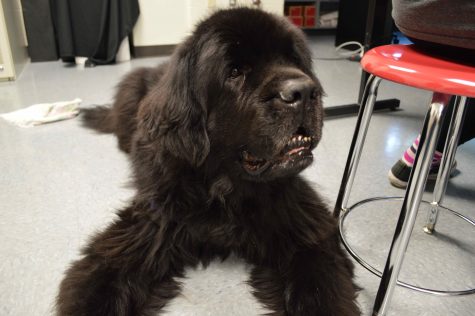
303 300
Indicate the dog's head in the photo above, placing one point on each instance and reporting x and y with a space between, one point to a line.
240 97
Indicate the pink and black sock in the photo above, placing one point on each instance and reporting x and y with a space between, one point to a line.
410 154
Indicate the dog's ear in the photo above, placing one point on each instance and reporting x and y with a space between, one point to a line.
178 115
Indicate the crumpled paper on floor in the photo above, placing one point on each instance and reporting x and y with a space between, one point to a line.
42 113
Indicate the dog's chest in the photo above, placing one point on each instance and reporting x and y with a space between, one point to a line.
219 289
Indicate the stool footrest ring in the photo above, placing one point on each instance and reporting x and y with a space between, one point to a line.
377 272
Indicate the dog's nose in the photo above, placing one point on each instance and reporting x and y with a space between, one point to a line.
295 92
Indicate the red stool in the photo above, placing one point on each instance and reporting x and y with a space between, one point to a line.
406 65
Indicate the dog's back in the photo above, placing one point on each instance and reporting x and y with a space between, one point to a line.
120 118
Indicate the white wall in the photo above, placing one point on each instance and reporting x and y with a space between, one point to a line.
274 6
167 22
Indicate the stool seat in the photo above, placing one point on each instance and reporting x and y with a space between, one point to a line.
405 64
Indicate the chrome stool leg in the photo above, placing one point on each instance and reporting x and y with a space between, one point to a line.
415 189
448 159
362 124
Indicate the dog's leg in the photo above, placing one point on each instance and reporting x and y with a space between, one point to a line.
128 269
316 282
319 282
268 288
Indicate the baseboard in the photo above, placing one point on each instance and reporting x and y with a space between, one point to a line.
156 50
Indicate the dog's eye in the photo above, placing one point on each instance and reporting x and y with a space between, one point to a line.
235 73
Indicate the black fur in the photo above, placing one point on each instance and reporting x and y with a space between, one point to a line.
188 125
98 118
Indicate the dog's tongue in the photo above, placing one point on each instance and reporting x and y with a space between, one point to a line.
295 150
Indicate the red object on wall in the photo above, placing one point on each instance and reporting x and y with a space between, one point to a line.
309 21
295 10
296 20
310 10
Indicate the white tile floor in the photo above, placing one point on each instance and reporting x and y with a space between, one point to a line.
60 182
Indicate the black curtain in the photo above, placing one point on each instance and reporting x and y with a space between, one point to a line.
39 30
92 28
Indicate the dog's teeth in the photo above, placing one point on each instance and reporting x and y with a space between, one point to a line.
300 137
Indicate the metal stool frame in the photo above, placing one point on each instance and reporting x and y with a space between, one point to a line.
378 273
415 186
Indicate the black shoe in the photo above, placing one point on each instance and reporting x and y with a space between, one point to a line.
399 173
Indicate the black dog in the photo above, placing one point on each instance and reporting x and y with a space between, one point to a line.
217 137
